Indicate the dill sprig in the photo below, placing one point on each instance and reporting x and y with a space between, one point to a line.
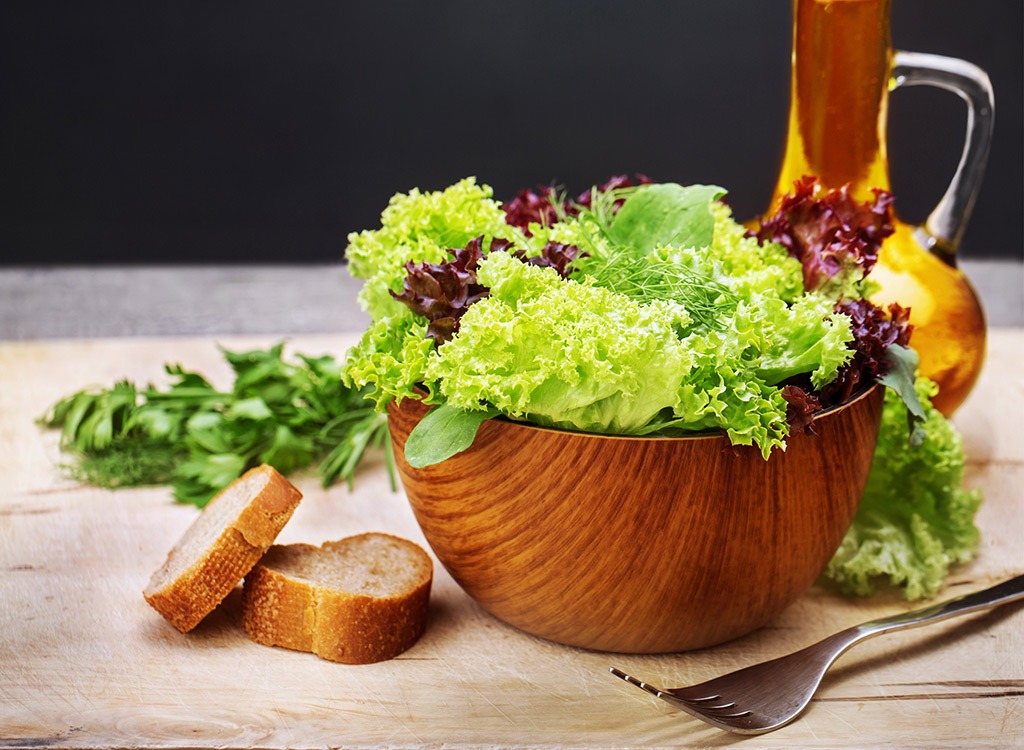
647 280
641 275
128 462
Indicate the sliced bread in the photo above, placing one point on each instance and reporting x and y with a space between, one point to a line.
221 546
359 600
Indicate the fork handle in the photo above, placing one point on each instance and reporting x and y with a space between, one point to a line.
1002 593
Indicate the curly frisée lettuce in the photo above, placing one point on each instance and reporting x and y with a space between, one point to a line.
915 519
664 318
419 227
562 353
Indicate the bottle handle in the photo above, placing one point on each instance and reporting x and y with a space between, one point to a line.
944 227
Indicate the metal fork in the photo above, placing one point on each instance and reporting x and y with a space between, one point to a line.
766 696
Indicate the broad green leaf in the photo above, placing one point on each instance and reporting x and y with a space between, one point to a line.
155 423
250 408
444 431
288 451
666 214
207 430
900 378
215 469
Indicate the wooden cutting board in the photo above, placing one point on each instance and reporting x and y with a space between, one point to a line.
84 661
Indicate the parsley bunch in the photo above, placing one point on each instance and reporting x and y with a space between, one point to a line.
199 439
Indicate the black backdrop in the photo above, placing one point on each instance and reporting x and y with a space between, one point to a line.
265 132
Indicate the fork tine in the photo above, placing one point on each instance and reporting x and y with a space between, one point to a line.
673 695
700 701
639 683
696 707
730 711
705 706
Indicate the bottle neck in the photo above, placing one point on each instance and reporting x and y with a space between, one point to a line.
842 56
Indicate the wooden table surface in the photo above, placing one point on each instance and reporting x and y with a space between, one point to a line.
85 663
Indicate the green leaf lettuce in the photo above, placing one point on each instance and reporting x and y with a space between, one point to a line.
915 519
562 353
420 227
645 336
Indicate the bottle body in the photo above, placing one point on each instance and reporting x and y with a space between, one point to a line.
949 324
842 65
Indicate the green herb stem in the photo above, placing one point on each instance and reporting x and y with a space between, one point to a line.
290 414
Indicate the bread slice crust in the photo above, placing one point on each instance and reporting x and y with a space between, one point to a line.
308 612
221 546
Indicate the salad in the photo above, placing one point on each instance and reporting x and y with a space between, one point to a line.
642 308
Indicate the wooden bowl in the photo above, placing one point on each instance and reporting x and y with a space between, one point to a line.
640 545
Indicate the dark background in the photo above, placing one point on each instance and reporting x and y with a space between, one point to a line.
265 132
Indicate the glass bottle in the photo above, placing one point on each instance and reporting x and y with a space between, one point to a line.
843 70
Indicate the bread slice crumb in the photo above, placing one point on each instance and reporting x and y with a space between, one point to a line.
221 546
359 600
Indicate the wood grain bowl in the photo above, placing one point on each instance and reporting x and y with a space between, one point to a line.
639 545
